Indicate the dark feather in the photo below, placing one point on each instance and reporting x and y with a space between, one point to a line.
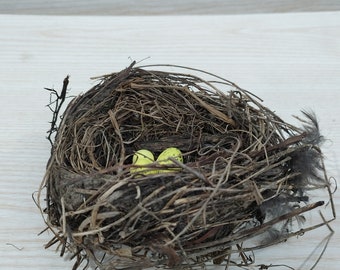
306 160
311 127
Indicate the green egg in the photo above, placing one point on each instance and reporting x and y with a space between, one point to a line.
140 158
164 158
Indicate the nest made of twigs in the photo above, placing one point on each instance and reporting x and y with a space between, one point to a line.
245 172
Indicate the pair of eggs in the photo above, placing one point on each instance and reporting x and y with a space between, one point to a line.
142 158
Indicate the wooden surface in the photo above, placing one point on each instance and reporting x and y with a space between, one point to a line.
163 7
290 60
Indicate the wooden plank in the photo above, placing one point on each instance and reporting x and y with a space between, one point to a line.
290 60
163 7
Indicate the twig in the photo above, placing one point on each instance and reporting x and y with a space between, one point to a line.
58 103
10 244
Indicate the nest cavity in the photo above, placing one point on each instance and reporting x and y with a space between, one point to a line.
245 172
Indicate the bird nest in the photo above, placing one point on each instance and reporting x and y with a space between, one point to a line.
245 172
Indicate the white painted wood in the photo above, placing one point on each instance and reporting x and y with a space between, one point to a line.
162 7
290 60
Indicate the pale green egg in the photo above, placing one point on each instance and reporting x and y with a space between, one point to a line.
140 159
164 158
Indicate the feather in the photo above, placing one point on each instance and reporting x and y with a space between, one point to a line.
311 127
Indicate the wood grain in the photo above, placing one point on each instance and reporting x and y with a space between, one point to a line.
163 7
290 60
